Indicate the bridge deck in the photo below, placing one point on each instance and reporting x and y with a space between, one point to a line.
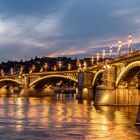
125 57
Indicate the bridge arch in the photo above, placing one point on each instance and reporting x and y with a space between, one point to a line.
52 76
10 81
126 70
96 76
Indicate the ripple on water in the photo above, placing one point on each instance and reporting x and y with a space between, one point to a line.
49 119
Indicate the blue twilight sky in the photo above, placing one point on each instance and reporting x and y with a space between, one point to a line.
77 28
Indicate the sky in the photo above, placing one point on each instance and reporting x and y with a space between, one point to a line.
71 28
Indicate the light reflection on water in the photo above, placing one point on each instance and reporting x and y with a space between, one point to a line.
52 119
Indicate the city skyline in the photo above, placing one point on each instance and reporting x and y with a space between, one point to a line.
75 28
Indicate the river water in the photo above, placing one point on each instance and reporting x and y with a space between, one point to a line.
65 119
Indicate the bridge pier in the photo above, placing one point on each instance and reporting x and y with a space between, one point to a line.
85 93
4 92
104 94
26 82
25 90
85 89
119 96
127 95
138 117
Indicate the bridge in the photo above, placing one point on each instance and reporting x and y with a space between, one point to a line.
117 81
40 80
111 82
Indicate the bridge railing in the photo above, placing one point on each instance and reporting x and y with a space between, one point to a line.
37 74
12 77
123 57
51 72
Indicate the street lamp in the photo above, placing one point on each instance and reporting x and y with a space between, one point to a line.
103 53
85 65
97 57
129 42
59 65
79 66
77 63
69 66
110 52
119 47
12 71
54 68
92 60
46 66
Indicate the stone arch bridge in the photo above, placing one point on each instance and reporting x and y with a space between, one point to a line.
115 81
36 79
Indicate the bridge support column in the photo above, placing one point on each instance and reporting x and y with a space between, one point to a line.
138 117
127 95
104 94
3 92
110 77
26 82
25 90
85 89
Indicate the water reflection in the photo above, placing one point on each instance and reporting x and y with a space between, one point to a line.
50 118
64 96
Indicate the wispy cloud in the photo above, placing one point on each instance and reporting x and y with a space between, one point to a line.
65 28
69 52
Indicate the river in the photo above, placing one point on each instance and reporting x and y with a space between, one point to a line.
65 119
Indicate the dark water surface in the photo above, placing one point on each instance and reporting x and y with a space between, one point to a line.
51 119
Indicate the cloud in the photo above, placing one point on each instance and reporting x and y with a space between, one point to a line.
65 28
68 52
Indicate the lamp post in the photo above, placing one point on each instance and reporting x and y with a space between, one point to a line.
103 53
54 68
119 47
46 66
77 63
12 71
97 57
110 52
129 43
85 65
92 60
79 66
59 65
69 66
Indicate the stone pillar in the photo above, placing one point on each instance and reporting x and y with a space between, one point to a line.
111 77
105 92
138 117
26 82
104 96
127 94
85 89
25 90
